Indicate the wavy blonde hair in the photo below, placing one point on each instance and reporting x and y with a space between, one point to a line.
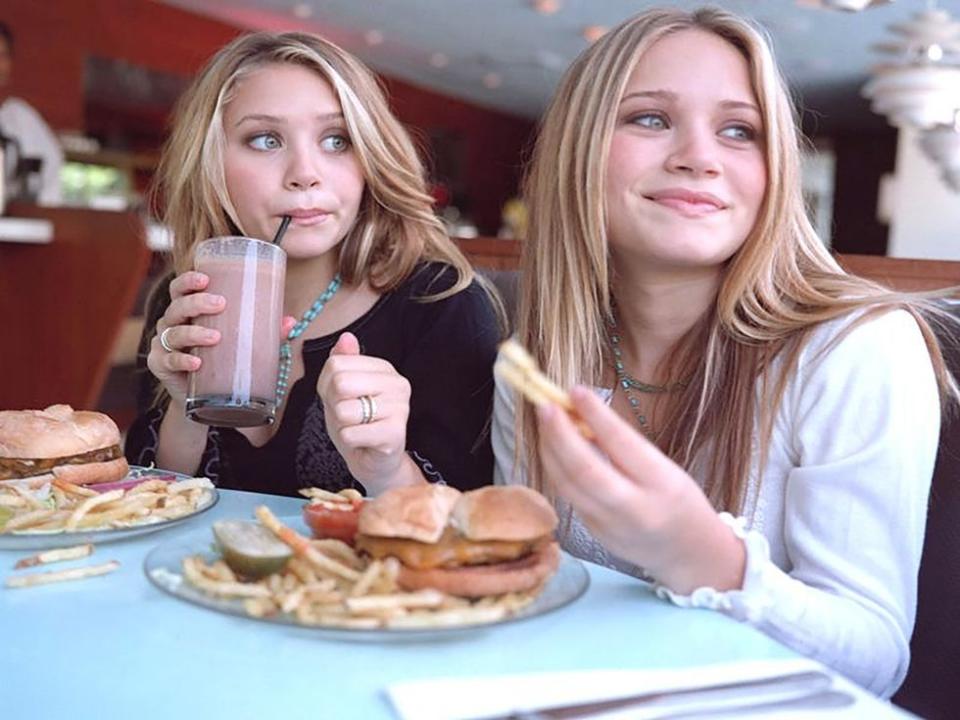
396 227
777 287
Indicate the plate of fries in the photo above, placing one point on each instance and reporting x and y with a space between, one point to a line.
56 513
330 589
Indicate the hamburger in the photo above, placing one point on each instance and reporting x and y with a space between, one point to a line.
490 541
80 447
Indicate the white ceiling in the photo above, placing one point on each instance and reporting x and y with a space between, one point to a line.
825 54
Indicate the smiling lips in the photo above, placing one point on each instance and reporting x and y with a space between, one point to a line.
687 202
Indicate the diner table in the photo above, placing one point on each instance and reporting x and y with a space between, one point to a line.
118 647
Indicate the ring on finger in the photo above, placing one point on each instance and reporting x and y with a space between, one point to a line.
368 409
164 343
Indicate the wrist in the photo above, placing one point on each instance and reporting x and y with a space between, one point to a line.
406 472
714 557
176 413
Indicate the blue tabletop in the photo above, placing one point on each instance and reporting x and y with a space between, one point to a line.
116 646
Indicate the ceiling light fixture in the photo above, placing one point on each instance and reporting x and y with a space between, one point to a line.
843 5
303 10
492 81
545 7
920 88
592 33
941 145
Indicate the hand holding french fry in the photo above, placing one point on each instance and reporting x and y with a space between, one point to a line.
643 506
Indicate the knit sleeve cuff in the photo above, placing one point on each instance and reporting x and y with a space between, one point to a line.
752 601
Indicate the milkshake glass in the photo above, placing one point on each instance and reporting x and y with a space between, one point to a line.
236 383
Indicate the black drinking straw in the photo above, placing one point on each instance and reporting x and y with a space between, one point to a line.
284 224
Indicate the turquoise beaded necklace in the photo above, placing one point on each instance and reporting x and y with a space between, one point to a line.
627 382
286 350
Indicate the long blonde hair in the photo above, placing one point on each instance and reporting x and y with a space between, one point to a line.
396 227
777 287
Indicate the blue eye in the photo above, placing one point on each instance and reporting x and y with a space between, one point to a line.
739 132
335 143
651 121
264 141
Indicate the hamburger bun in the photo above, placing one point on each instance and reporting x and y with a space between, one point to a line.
81 447
490 541
414 512
510 512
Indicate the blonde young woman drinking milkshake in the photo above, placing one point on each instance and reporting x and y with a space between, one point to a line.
390 382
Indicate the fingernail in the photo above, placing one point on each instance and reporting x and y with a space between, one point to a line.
212 335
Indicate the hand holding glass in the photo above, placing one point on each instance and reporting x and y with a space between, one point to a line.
236 383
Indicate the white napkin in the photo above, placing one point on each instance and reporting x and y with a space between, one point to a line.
478 697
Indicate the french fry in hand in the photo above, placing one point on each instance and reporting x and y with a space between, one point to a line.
516 366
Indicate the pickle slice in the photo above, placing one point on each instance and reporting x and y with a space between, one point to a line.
250 549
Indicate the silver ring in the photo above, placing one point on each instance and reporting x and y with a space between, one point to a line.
163 340
368 406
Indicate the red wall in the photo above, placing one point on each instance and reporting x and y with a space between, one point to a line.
53 38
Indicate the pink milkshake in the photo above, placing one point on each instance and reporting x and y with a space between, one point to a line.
237 381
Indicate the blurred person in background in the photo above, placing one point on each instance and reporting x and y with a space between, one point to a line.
24 131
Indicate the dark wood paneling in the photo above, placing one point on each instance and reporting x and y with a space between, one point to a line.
62 305
904 273
898 273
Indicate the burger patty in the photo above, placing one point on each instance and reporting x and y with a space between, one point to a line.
452 550
13 468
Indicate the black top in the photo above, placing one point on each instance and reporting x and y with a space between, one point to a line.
445 348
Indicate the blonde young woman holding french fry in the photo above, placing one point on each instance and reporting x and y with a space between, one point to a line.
729 363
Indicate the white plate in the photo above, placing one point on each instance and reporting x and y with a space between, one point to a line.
46 539
163 567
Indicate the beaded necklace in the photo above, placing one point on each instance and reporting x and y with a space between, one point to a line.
286 350
627 382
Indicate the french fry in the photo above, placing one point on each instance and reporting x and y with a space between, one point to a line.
367 579
45 578
25 520
302 547
338 550
89 504
191 484
59 505
70 487
348 621
149 486
515 365
419 599
449 618
52 556
219 588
